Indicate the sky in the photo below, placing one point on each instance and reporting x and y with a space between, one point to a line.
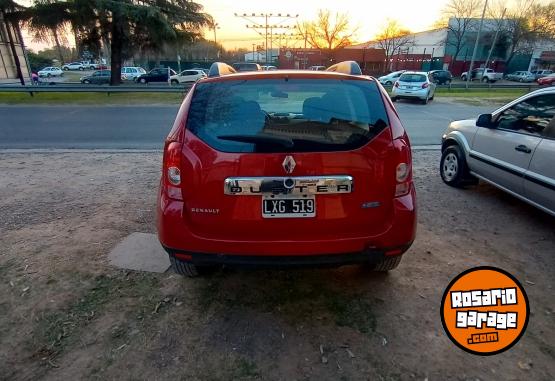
367 16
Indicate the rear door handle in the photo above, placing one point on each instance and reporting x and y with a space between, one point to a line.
523 148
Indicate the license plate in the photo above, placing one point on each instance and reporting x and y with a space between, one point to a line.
285 207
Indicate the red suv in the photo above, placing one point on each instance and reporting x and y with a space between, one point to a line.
286 168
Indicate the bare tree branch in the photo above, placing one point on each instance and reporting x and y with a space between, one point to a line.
392 39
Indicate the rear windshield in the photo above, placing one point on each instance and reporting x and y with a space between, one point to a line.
412 78
286 115
245 67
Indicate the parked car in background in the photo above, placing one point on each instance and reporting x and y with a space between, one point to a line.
317 68
547 81
414 85
441 77
521 76
513 148
130 73
268 67
268 180
156 75
390 78
98 77
206 71
246 66
541 73
484 75
74 66
51 71
187 76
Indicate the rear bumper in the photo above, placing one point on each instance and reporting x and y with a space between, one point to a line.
410 94
395 238
369 256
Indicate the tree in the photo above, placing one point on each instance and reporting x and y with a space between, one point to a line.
392 39
328 32
457 16
129 26
37 61
528 23
47 20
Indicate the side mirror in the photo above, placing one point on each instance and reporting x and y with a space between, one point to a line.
485 120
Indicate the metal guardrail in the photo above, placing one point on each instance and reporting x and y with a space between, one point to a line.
76 87
79 88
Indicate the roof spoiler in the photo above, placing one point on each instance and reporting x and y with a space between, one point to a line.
346 67
220 68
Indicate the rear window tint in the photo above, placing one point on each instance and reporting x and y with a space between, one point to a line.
286 115
413 78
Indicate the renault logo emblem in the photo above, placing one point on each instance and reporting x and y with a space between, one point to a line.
289 164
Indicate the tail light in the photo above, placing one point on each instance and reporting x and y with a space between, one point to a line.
396 84
403 170
425 85
402 176
172 169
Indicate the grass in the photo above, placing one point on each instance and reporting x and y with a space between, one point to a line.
57 329
473 95
294 296
91 98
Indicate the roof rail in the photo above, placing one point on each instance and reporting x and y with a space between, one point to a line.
346 67
220 68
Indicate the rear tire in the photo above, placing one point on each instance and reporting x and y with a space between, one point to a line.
184 268
393 99
189 269
388 263
142 80
453 168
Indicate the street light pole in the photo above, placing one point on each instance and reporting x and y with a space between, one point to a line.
495 38
469 73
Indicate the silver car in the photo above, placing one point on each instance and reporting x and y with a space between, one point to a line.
521 76
414 85
390 78
513 148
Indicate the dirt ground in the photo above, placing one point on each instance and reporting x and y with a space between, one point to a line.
66 314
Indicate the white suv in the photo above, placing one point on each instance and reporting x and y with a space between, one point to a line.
513 148
73 66
187 76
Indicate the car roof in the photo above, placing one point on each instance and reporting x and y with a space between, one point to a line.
306 74
415 72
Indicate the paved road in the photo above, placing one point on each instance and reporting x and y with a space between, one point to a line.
145 127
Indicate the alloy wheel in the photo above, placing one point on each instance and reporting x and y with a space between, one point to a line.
450 166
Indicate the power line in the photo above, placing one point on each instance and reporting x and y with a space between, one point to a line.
265 27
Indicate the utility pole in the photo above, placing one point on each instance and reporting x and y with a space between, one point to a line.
495 38
253 45
266 30
469 73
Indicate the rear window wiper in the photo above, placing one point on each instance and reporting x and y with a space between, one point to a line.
259 139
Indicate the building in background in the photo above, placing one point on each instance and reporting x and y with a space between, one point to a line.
425 52
8 69
370 60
